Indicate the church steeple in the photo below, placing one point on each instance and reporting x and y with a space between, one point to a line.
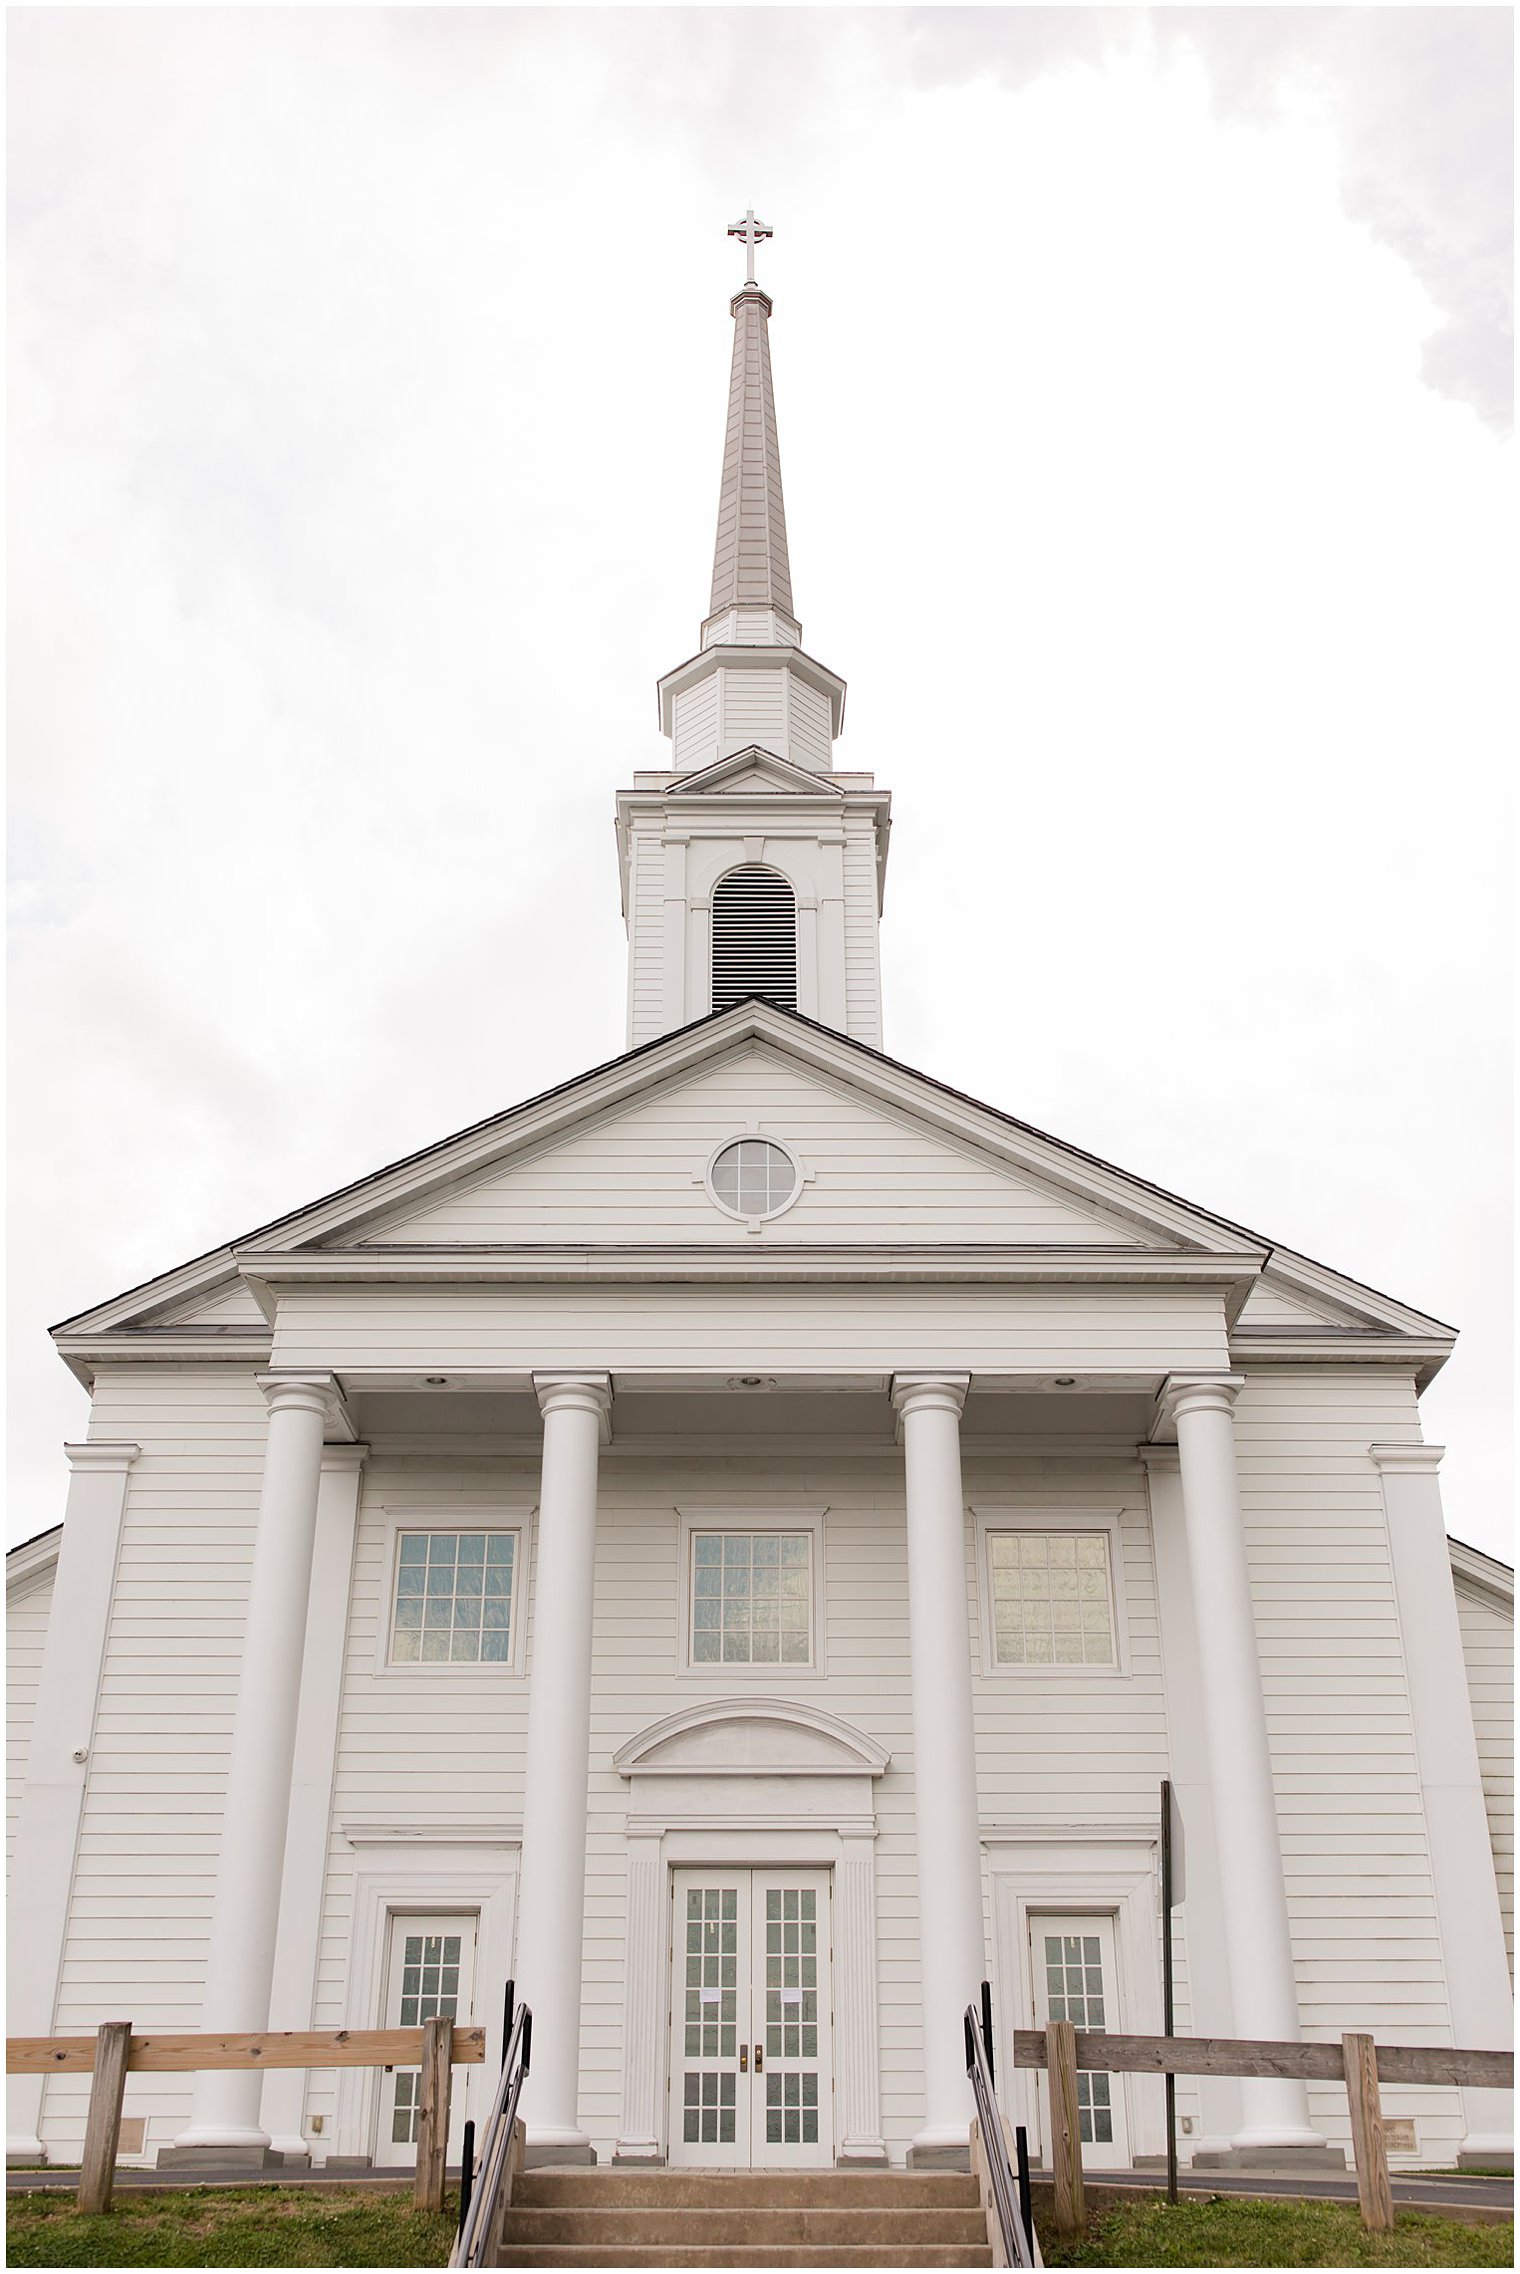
751 867
750 565
751 684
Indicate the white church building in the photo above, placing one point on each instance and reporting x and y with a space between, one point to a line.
735 1544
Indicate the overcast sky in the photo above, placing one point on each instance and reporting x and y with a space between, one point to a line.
1142 382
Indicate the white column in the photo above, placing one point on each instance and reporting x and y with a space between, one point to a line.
298 1939
1263 1991
1451 1780
951 1942
1210 2013
63 1734
224 2112
551 1913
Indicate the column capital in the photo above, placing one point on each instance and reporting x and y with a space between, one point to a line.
305 1393
930 1393
1425 1459
100 1455
577 1393
1198 1393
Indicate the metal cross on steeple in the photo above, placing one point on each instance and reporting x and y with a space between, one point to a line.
752 232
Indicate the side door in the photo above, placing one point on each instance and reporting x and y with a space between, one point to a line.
430 1970
1076 1980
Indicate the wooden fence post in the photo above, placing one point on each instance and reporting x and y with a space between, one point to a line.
1368 2144
102 2126
433 2113
1065 2128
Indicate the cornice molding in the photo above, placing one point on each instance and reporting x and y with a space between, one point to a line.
30 1559
466 1266
1483 1575
1422 1460
99 1454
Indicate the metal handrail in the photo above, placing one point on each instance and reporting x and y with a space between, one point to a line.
1014 2226
474 2237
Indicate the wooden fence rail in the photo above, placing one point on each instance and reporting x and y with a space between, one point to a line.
113 2050
1257 2057
1356 2062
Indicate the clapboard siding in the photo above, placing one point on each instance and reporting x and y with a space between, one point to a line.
1356 1861
1123 1329
862 932
26 1617
1488 1645
145 1869
637 1174
439 1752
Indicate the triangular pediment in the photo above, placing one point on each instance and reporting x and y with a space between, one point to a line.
893 1164
869 1173
755 769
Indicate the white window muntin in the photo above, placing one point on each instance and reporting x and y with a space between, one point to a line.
408 1522
800 1177
1106 1524
770 1517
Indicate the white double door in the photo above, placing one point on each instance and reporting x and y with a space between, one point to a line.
751 2024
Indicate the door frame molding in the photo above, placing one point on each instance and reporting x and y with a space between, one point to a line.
1110 1873
803 1796
410 1873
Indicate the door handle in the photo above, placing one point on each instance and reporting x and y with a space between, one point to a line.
743 2060
759 2059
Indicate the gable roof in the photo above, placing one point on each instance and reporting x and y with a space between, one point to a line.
742 768
168 1305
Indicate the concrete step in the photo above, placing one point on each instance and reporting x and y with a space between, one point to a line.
745 2254
610 2189
710 2229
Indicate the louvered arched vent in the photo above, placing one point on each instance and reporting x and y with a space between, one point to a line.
754 938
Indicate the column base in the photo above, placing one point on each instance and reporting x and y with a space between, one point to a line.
1473 2155
947 2156
638 2159
1266 2158
229 2157
864 2156
539 2155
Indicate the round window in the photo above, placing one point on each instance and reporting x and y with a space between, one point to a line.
753 1177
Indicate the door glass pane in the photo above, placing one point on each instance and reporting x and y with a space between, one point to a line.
708 2108
791 1974
791 2110
1074 1993
711 2015
430 1965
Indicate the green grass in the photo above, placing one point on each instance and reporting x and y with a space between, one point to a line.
229 2226
1224 2230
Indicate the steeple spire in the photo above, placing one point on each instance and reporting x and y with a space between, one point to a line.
750 565
751 686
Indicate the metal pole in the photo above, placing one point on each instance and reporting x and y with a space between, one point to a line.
987 2034
1026 2200
1166 1982
466 2169
507 2019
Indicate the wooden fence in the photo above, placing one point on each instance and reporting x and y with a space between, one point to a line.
113 2051
1361 2066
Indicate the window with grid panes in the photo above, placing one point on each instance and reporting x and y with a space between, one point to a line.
1052 1599
752 1598
453 1598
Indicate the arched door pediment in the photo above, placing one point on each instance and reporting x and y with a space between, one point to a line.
755 1737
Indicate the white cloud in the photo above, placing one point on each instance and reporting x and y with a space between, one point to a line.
369 375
